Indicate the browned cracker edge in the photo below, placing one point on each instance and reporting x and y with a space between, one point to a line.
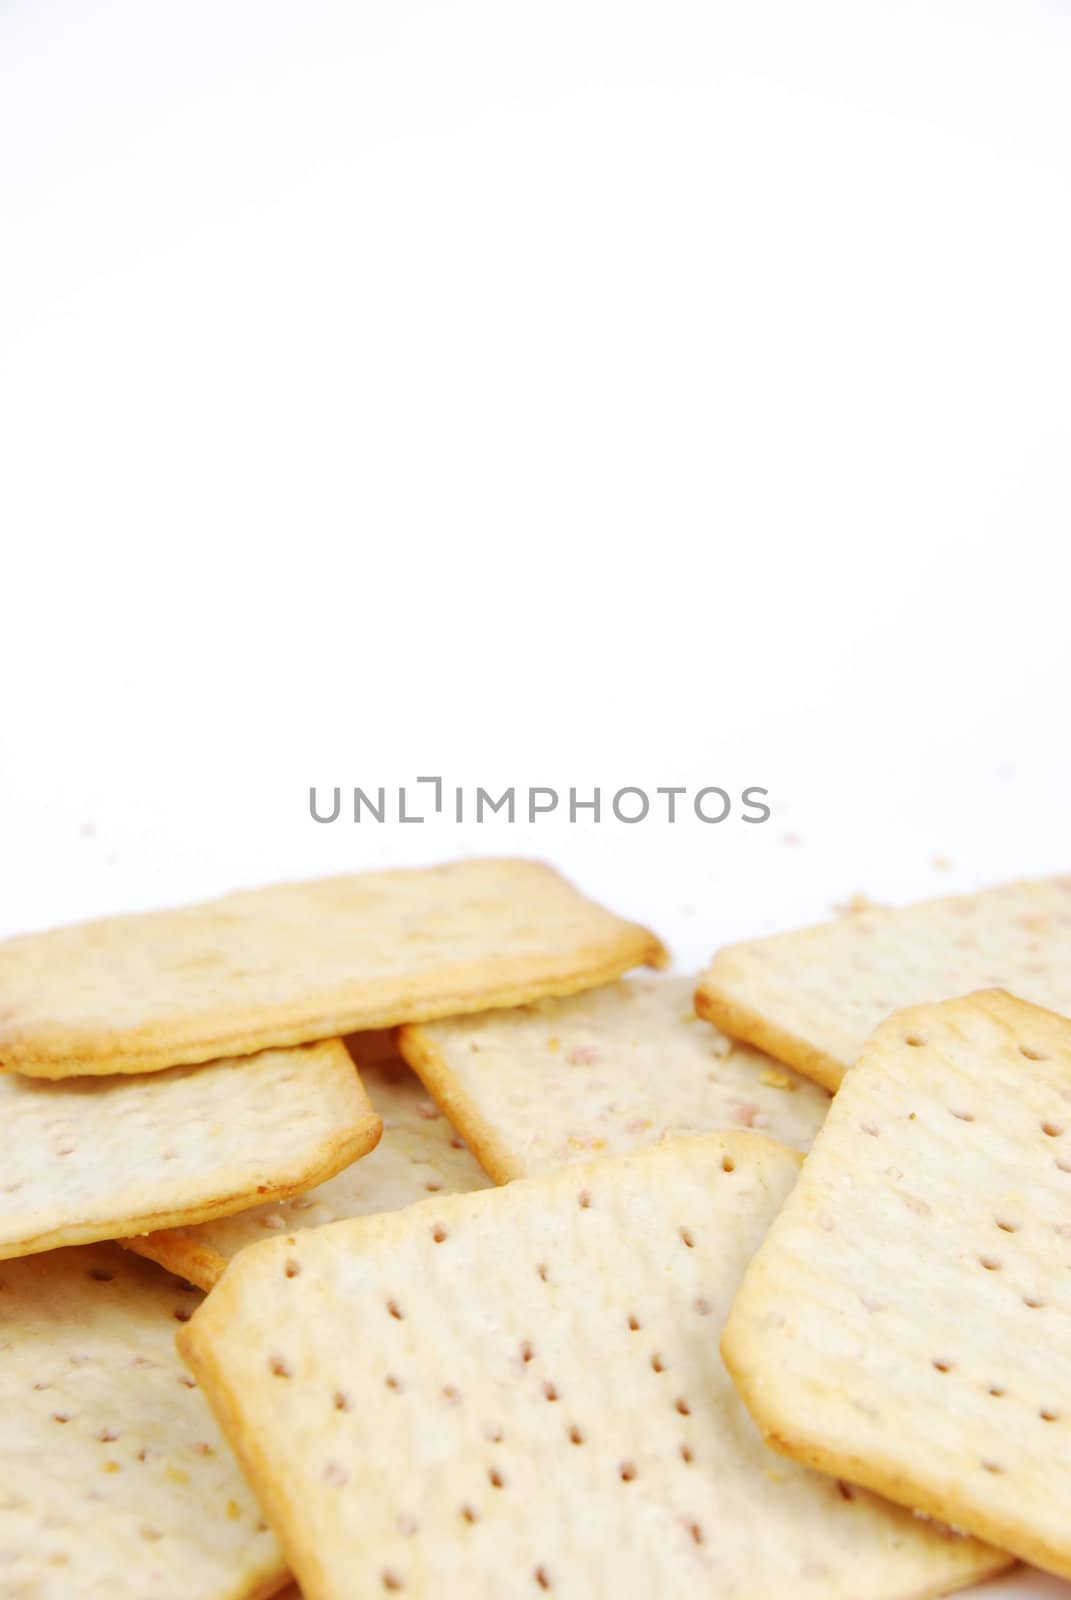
265 1590
419 1051
186 1258
255 1463
956 1513
152 1049
742 1022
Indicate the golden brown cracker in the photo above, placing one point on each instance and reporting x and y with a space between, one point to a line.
300 961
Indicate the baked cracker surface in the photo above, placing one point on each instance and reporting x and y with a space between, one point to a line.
519 1392
302 961
94 1158
907 1322
558 1081
813 996
115 1482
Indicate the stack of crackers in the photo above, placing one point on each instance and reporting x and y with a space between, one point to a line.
379 1234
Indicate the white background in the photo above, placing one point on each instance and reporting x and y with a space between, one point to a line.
574 392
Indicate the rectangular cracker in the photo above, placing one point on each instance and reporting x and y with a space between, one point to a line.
95 1158
420 1154
302 961
115 1480
907 1322
627 1064
519 1392
812 997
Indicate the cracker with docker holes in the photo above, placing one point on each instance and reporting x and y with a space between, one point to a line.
628 1064
420 1154
116 1483
520 1392
94 1158
907 1322
812 997
302 961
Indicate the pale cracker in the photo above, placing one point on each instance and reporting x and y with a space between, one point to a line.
519 1392
115 1482
94 1158
420 1154
908 1321
624 1065
302 961
812 997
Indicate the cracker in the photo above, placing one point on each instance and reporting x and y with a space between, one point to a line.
420 1154
624 1065
812 997
116 1483
908 1321
302 961
519 1392
94 1158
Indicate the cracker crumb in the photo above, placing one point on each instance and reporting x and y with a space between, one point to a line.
775 1078
854 904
